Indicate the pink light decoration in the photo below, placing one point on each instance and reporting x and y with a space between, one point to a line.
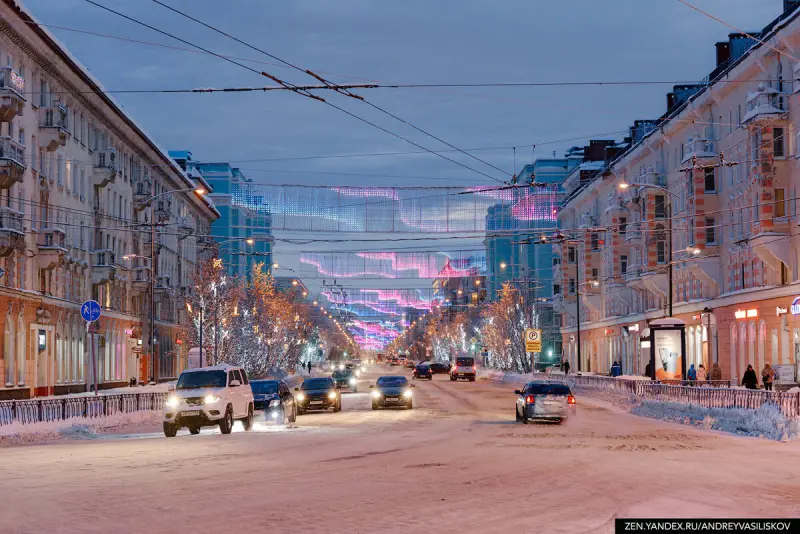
341 274
368 192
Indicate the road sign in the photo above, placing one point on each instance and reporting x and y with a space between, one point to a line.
473 340
533 340
90 311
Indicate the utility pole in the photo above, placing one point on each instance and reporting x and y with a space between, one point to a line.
152 340
669 251
578 301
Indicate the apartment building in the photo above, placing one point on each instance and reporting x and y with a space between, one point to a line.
77 181
695 216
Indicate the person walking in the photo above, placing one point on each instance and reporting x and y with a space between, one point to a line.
691 375
566 367
616 369
309 366
648 370
750 380
702 375
716 372
768 376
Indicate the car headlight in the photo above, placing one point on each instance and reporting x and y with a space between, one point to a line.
274 402
341 367
376 394
210 399
407 393
352 381
173 401
300 396
332 395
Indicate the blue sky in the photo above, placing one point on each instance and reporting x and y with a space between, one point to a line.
407 42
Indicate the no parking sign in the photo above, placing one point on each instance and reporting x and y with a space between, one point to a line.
533 340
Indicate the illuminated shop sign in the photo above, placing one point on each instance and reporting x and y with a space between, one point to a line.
781 310
796 306
746 314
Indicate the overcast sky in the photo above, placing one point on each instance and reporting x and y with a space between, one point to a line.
408 42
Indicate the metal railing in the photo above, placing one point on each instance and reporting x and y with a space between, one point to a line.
88 407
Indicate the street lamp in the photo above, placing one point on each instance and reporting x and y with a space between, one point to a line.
669 197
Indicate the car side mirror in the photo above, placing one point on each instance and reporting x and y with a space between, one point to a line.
297 389
235 383
517 392
170 389
371 386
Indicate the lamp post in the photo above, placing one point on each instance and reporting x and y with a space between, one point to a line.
151 341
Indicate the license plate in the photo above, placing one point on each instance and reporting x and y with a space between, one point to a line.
392 399
316 402
190 413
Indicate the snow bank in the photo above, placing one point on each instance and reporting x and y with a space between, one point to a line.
161 387
75 428
795 389
634 377
764 422
490 374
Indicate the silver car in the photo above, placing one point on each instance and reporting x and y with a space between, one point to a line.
544 399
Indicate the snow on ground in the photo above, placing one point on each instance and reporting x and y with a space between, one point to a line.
77 428
457 462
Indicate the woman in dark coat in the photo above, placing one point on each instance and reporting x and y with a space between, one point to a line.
750 380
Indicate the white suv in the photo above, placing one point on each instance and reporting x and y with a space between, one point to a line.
209 396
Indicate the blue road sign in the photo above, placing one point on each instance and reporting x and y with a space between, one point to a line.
90 310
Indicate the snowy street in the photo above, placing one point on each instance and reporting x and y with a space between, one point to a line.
458 461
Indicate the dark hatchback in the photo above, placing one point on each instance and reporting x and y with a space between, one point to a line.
345 379
317 394
439 368
275 399
422 370
392 391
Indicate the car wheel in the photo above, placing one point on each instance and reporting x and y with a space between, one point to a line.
248 421
337 407
374 405
452 378
226 423
170 429
194 430
410 405
472 379
516 414
524 417
293 416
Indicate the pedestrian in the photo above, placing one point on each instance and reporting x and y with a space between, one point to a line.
691 375
616 369
702 375
309 366
716 372
750 380
648 370
768 376
566 367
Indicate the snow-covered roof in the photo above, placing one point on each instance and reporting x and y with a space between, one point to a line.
101 92
219 367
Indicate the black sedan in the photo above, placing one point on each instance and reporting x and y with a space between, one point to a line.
422 370
275 399
345 379
439 368
392 391
317 394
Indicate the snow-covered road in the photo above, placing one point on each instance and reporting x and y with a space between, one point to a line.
457 462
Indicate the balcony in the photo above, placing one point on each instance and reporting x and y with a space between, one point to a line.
206 242
12 162
699 148
52 247
185 227
53 126
708 270
763 105
140 279
162 287
772 249
105 168
633 234
163 210
12 87
104 268
12 231
656 281
142 192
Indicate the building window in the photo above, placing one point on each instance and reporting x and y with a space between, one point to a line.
623 225
660 207
623 261
711 231
709 174
21 136
571 286
595 242
595 274
571 255
780 203
661 251
778 143
556 289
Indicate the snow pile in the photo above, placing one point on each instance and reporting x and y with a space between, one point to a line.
795 389
634 377
75 428
616 397
764 422
491 374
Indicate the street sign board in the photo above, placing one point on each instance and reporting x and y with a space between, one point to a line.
533 340
90 311
473 340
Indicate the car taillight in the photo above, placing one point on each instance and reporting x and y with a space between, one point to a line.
530 399
571 400
474 367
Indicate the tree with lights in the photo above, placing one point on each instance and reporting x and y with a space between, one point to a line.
505 321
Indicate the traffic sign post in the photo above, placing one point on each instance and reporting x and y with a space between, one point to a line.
90 311
533 340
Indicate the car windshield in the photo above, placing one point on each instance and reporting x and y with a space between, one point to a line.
465 361
392 381
422 366
317 383
342 374
548 389
202 379
264 388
